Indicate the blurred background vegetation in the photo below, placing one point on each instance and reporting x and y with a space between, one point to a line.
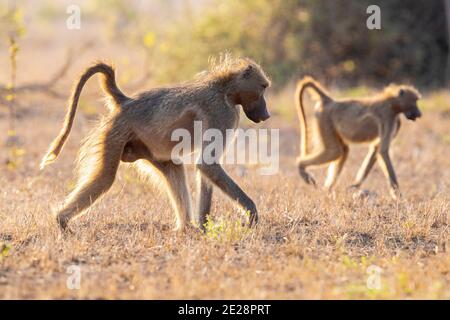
327 39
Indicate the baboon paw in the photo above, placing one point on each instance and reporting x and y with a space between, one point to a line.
181 228
252 221
199 226
194 228
311 181
65 232
306 176
63 225
359 194
330 193
395 194
68 232
187 229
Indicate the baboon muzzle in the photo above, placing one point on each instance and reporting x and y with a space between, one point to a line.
413 115
259 113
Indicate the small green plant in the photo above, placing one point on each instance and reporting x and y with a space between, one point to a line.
405 283
15 157
226 229
4 251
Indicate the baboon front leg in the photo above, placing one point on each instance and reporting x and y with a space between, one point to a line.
204 195
366 166
385 161
216 174
335 169
175 178
388 169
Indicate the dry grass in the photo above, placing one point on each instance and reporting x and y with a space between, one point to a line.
308 244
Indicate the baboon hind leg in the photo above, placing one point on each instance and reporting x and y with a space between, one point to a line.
332 149
366 166
100 157
178 191
174 176
335 169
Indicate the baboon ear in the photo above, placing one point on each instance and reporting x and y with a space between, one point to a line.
392 86
247 72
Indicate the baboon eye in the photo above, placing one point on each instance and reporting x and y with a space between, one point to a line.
264 85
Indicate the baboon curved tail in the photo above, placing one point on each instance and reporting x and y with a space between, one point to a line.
109 86
307 82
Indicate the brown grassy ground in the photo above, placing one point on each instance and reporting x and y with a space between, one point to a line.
308 244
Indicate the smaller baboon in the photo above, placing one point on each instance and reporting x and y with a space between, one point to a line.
138 129
374 120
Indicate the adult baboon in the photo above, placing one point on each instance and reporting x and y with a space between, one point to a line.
373 120
140 128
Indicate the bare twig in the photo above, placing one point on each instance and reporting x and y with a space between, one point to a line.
48 86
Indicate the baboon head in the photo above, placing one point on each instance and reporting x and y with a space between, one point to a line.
246 83
405 101
250 86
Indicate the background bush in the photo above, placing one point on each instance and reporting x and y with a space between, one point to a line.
328 39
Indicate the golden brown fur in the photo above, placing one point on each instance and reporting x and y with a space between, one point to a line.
373 120
140 127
